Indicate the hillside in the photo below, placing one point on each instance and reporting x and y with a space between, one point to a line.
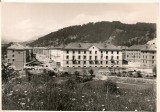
116 32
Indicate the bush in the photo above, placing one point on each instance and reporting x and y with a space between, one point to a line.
71 84
110 87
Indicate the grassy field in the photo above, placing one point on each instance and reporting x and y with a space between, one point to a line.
44 92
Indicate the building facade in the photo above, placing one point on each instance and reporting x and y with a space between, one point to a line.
148 56
56 54
91 55
133 53
18 55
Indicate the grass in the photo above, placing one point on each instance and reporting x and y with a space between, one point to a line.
64 93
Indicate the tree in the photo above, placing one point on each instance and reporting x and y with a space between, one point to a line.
91 72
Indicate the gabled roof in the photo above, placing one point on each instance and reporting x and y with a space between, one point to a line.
57 47
17 46
149 48
86 46
136 47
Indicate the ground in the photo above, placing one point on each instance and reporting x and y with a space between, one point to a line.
45 92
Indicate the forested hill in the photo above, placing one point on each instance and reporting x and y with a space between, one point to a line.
116 32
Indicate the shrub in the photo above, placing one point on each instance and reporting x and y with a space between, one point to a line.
110 87
71 84
76 73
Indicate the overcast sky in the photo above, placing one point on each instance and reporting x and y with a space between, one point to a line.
28 21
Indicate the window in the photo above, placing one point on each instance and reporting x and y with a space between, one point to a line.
101 51
84 62
152 57
95 52
106 52
67 62
67 57
73 57
13 55
79 57
13 50
101 62
73 66
95 57
111 57
117 57
152 62
12 59
79 62
84 66
19 52
90 57
73 52
93 47
106 62
101 57
90 62
84 52
146 56
112 52
106 57
117 62
67 52
84 57
67 66
90 52
117 52
79 52
8 60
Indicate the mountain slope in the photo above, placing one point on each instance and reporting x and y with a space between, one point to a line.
121 34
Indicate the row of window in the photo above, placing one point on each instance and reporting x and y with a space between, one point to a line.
91 66
12 60
90 57
147 61
146 57
79 52
91 62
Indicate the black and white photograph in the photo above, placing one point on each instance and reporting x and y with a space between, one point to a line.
79 56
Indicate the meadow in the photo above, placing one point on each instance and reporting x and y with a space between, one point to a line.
44 92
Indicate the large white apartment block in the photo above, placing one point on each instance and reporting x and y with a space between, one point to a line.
92 55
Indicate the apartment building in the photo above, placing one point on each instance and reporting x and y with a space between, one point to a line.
42 51
18 55
56 54
148 56
92 55
133 53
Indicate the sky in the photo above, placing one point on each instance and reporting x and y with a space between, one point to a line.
29 21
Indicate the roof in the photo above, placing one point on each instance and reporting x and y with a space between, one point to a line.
136 47
149 48
40 47
17 46
57 47
85 46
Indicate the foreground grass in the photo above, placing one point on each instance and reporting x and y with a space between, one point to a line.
48 93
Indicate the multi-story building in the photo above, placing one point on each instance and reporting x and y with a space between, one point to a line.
92 55
133 53
18 55
42 51
148 56
57 55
